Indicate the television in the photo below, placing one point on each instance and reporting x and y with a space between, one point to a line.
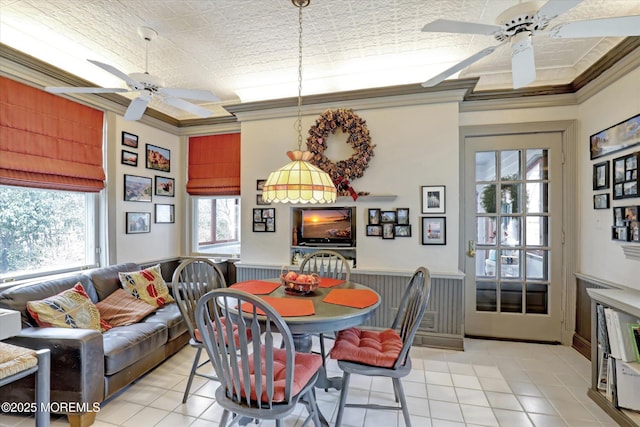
325 226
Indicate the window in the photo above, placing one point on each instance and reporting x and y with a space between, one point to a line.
217 222
45 231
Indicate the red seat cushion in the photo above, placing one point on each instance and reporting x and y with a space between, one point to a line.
375 348
306 365
198 337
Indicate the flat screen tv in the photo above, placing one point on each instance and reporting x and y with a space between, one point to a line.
326 226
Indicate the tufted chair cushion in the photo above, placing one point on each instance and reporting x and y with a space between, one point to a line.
375 348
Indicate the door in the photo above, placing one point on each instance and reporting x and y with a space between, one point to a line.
513 229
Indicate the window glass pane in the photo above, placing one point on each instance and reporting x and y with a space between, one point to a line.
485 263
510 264
511 297
537 164
511 227
218 225
537 227
537 298
486 296
538 264
486 198
44 231
510 165
510 198
486 166
487 231
537 197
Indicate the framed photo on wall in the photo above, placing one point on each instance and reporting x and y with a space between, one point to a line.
601 176
165 186
165 214
129 158
374 217
374 230
158 158
138 222
137 188
615 138
434 230
601 201
264 220
129 139
433 199
403 216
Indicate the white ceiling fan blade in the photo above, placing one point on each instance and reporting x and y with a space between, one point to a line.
137 107
447 26
606 27
197 94
459 66
553 8
523 64
52 89
187 106
113 70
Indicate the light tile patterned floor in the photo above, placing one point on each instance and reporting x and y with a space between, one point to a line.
491 383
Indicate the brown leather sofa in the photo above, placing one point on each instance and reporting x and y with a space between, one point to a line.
87 366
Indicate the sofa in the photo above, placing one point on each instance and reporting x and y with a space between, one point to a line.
89 366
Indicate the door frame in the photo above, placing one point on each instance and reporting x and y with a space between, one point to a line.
569 133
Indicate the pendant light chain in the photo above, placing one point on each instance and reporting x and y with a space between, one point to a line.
300 76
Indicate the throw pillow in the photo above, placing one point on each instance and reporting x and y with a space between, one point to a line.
147 285
71 308
122 309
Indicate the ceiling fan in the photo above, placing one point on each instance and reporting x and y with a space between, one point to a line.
149 86
519 24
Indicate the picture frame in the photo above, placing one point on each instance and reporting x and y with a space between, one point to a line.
373 216
620 233
264 220
388 217
601 175
402 230
260 201
402 215
615 138
129 158
433 199
260 184
388 230
165 186
625 176
434 230
631 213
601 201
164 214
618 216
138 222
374 230
137 188
129 139
158 158
634 231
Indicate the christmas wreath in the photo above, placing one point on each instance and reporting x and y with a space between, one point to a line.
343 171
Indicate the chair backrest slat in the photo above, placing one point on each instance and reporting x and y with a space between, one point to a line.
411 310
326 263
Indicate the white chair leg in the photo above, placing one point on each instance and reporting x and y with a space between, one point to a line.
192 374
397 385
343 397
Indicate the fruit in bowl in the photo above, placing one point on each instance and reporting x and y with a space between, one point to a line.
299 284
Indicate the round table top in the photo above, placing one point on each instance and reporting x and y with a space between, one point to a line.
328 317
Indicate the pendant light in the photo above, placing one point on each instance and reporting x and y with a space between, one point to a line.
299 181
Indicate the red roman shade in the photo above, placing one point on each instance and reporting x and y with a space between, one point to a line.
47 141
214 165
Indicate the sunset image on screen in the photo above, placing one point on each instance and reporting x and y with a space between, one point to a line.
326 224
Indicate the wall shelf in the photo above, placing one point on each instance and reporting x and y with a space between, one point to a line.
370 198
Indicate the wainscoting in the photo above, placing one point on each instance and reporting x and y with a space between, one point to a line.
442 325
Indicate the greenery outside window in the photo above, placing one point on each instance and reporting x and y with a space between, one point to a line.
46 231
217 230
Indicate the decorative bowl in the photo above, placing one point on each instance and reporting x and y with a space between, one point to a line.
299 284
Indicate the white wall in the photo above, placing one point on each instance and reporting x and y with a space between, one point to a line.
163 241
600 256
416 145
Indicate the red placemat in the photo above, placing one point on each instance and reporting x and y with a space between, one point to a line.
356 298
286 307
328 282
256 287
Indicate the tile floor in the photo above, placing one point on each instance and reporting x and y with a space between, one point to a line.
491 383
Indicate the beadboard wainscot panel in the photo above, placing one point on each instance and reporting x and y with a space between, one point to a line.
442 325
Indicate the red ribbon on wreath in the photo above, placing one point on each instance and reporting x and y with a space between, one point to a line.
342 184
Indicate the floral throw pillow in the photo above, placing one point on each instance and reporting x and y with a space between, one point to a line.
69 309
147 285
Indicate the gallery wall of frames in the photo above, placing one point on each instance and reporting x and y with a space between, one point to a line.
616 181
145 189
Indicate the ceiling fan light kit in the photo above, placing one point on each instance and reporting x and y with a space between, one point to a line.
149 86
519 24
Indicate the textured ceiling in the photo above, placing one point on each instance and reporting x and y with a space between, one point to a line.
247 50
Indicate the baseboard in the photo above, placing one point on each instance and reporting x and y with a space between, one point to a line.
581 345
